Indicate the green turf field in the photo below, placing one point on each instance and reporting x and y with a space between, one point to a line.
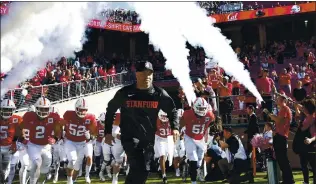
153 179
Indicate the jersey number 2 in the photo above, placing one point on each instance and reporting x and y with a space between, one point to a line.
76 130
40 132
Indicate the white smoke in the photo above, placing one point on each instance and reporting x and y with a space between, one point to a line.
203 33
158 21
35 32
189 20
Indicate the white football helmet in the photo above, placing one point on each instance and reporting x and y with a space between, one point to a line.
53 110
42 106
101 118
7 108
200 106
163 116
81 107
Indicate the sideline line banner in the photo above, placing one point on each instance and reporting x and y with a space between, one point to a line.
266 12
219 18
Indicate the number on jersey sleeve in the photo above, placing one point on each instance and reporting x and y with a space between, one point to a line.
26 133
4 132
101 133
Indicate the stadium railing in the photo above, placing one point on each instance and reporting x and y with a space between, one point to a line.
239 114
60 92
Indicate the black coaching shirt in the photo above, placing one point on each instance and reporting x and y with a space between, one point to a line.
139 112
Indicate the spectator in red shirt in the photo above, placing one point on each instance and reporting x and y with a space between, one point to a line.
36 81
63 77
282 129
311 59
101 71
285 82
225 102
265 87
111 72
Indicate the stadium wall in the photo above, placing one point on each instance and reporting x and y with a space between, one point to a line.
97 103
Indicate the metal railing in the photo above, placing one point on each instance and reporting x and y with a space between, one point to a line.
59 92
238 108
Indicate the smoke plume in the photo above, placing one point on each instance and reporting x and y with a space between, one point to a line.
167 22
203 33
158 20
36 32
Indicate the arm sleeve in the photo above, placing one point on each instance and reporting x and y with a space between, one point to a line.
113 105
168 106
93 127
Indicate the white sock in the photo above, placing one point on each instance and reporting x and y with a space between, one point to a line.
115 176
177 169
11 173
88 169
69 179
164 175
23 174
193 182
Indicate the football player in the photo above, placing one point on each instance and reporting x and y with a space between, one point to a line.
98 144
80 126
44 128
196 121
57 152
10 130
164 145
116 149
179 149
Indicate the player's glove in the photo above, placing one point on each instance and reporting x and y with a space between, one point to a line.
51 140
87 134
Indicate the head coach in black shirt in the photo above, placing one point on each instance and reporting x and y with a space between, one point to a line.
139 104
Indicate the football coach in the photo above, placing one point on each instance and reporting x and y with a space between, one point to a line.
139 104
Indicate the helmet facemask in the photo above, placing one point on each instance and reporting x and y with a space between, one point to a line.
42 112
6 113
81 112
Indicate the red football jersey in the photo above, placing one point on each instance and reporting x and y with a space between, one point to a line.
196 127
40 130
100 129
75 127
8 129
163 129
117 120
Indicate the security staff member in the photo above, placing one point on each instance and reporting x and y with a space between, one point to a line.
225 102
139 104
253 127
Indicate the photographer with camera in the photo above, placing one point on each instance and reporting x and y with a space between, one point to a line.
214 153
236 161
